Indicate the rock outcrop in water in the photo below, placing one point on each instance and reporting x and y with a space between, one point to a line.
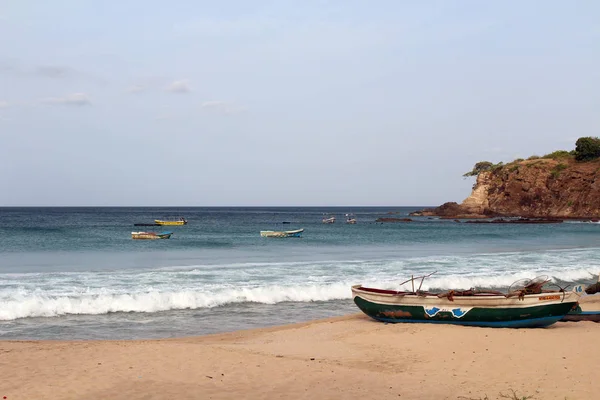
386 219
560 188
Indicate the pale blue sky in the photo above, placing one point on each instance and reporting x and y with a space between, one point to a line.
207 103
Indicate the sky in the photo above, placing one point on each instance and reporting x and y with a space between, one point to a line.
285 103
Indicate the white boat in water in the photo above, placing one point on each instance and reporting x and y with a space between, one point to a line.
350 219
328 219
151 235
282 234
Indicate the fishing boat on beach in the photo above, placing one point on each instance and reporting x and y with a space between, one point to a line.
151 235
527 304
179 221
282 234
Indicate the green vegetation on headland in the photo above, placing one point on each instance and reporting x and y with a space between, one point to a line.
586 149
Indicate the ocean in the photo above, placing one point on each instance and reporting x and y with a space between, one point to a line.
75 273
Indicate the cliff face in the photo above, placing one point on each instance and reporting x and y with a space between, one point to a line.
540 188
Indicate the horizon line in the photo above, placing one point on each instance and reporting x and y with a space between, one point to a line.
213 206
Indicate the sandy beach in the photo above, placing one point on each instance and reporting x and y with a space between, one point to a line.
348 357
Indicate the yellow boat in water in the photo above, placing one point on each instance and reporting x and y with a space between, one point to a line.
180 221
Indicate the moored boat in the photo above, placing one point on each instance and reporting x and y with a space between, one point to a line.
529 305
180 221
151 235
328 219
350 219
282 234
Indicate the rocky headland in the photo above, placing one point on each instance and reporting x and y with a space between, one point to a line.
557 186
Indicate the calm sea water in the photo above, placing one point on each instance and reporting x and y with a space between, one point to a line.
75 273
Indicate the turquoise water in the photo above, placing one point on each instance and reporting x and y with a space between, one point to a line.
75 273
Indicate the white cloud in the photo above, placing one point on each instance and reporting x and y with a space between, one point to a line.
136 88
62 72
57 72
182 86
4 104
222 107
214 104
54 71
73 99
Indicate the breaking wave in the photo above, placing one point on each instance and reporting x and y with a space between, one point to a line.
18 302
24 305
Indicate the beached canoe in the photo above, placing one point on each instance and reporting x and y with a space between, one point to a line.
180 221
151 235
528 306
282 234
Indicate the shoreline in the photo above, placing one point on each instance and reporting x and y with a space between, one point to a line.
350 357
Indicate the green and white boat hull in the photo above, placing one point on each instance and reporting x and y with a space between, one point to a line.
489 310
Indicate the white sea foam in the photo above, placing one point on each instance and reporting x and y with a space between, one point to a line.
38 304
25 295
23 303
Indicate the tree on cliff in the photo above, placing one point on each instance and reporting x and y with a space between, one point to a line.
479 167
587 148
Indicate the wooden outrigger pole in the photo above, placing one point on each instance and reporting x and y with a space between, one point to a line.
412 280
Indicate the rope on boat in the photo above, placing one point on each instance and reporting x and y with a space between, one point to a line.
529 286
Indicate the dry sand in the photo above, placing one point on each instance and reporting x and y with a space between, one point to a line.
340 358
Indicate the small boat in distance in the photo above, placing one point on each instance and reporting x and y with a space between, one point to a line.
350 219
282 234
180 221
151 235
328 219
527 305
